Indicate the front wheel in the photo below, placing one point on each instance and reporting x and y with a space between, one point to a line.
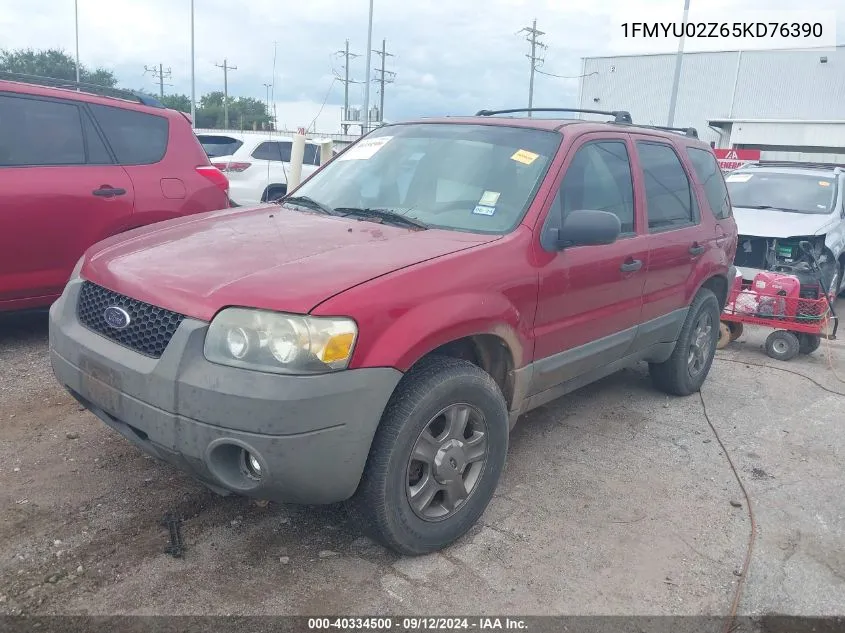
782 345
685 370
436 457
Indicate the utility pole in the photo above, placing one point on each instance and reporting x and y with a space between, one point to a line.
366 127
531 36
193 76
161 74
76 27
346 81
267 88
226 68
386 76
673 99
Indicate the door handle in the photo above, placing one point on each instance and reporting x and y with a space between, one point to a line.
631 266
106 191
696 249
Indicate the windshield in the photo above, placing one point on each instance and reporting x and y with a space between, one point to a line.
799 193
478 178
216 146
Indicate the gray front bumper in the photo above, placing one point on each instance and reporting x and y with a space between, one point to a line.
311 434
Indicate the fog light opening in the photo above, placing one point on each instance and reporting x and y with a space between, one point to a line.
251 465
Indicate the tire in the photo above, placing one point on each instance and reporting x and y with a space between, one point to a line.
782 345
736 330
425 398
724 335
686 369
808 343
274 192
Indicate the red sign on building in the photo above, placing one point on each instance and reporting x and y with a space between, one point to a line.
735 158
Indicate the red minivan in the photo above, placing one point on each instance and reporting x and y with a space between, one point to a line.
77 167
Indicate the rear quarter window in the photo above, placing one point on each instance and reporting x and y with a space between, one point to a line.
216 146
710 175
137 138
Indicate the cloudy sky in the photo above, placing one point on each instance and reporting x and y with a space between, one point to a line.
450 57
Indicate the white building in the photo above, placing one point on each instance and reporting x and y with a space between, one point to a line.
789 104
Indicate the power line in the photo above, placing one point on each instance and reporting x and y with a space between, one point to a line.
385 77
536 59
160 74
325 100
542 72
226 68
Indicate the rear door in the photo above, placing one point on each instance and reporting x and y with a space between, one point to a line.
60 192
675 241
590 297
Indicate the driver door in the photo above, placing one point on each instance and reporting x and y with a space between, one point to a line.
590 297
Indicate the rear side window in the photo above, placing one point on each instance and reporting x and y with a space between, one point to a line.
710 175
216 146
36 132
599 179
312 155
668 193
137 138
97 152
267 151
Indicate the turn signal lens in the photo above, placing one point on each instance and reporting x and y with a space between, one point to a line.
338 348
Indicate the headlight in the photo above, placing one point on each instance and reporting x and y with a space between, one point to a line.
281 343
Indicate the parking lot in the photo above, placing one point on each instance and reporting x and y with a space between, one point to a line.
615 500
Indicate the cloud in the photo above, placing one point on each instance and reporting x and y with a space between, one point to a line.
450 58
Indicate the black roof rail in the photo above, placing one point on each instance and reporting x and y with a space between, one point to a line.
103 91
619 116
686 131
795 163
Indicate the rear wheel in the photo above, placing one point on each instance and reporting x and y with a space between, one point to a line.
808 343
436 457
736 330
782 345
686 369
724 336
274 192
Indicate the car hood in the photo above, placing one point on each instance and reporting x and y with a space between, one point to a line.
269 257
779 224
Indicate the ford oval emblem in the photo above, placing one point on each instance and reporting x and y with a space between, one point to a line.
116 317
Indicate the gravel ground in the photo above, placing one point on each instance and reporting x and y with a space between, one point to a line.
616 500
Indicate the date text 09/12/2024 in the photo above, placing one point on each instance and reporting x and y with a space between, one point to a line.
416 624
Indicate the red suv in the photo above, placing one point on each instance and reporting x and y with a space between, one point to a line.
77 167
376 334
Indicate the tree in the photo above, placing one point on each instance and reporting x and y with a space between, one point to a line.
245 113
177 102
54 63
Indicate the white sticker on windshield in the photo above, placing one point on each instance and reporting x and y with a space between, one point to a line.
483 210
366 149
489 198
738 178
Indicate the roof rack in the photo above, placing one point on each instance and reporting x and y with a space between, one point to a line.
619 116
89 88
686 131
796 163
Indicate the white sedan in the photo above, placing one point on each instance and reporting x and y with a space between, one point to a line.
257 164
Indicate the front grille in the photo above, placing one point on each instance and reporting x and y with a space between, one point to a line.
150 328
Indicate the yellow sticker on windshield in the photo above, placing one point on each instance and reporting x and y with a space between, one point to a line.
525 157
824 183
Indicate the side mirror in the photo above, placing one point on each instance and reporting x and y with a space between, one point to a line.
588 228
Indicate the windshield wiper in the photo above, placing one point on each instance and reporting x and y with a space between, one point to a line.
386 215
767 206
309 203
